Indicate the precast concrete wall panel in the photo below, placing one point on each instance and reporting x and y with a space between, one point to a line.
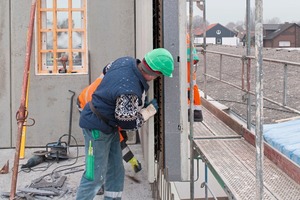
172 88
5 92
19 15
48 100
110 32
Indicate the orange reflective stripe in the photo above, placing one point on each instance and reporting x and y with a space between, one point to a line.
86 94
188 73
197 98
187 39
121 136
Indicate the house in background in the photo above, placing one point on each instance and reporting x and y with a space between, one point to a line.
285 35
217 34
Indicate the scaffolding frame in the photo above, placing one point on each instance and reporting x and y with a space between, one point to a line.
259 96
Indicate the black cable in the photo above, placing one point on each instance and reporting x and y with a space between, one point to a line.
37 169
76 158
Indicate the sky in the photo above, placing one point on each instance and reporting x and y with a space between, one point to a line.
225 11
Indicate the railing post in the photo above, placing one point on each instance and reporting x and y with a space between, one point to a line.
221 60
204 49
259 99
248 53
191 46
243 74
284 84
248 94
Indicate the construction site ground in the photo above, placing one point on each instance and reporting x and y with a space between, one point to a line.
273 78
136 184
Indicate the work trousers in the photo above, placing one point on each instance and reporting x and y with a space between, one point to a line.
108 166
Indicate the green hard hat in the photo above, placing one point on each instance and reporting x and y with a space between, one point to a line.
195 56
160 60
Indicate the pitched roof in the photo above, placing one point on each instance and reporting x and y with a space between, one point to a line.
281 28
271 27
200 31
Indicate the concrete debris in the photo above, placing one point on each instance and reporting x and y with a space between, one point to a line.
73 172
44 184
38 191
5 168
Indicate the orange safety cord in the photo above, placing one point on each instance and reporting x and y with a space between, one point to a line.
197 98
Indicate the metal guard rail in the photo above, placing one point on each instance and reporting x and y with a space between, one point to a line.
286 63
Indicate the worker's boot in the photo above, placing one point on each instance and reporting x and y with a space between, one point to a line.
198 117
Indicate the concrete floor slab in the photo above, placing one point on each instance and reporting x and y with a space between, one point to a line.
73 169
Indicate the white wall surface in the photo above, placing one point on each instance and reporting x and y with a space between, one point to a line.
233 41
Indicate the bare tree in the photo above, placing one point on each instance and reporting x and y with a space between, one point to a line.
231 25
198 23
274 20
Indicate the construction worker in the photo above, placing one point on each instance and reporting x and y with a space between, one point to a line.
86 96
116 103
198 117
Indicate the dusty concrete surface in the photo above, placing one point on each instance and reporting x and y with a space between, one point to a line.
132 189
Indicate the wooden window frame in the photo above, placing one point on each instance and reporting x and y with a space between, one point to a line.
42 67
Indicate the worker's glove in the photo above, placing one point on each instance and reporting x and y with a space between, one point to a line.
150 110
146 102
136 165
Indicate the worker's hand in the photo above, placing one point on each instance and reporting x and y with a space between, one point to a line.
154 103
150 110
146 102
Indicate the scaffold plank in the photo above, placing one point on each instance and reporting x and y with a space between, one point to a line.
211 126
234 162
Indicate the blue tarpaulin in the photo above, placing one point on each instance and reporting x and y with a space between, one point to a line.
285 137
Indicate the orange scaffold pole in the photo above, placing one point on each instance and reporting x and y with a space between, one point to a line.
22 113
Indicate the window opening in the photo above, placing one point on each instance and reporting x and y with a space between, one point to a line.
61 37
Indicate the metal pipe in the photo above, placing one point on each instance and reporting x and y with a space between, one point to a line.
191 100
265 98
259 98
248 53
248 94
253 57
206 181
204 49
22 113
205 184
248 28
70 119
243 74
226 137
284 84
220 74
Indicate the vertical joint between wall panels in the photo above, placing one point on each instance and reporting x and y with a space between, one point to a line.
10 72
